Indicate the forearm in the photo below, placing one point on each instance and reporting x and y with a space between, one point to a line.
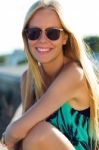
38 112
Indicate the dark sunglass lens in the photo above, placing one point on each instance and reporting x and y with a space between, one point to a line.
33 33
53 34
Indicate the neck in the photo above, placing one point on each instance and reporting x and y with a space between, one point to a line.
51 69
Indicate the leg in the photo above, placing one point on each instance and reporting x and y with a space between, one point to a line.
45 136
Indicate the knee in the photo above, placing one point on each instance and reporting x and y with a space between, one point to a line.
37 136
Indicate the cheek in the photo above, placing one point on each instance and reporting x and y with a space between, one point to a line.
31 45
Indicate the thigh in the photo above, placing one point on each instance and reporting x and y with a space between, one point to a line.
47 137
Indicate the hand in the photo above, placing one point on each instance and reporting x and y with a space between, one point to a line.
9 146
8 137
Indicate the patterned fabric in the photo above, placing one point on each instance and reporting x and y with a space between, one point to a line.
73 124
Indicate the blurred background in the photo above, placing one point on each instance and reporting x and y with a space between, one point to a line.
83 16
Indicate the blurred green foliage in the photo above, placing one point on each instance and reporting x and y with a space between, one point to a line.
2 59
22 61
92 42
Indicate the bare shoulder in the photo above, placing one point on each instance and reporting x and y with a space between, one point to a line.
69 80
74 67
73 72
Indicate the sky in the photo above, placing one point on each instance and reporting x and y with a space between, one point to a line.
83 15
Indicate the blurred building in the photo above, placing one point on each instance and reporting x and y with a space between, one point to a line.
16 58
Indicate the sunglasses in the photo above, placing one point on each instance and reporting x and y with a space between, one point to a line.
35 33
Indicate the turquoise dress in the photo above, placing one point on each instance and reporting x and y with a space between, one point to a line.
73 124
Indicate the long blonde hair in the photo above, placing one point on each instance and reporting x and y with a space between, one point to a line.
78 53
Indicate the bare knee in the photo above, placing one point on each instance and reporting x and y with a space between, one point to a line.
44 136
36 136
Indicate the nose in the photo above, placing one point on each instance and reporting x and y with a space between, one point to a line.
43 36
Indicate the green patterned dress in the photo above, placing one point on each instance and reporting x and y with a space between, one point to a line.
73 124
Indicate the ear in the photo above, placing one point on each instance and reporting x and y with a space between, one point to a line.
65 38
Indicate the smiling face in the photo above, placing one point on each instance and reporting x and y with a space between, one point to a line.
43 49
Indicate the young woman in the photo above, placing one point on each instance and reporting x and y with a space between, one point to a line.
60 88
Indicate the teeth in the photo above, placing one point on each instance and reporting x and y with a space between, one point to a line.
43 49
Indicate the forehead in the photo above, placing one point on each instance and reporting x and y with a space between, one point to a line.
45 17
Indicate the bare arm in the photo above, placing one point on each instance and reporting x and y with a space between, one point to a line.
63 88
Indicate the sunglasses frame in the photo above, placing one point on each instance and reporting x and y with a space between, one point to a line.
43 30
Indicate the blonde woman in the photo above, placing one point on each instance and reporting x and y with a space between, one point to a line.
60 88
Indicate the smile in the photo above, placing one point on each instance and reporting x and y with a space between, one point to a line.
39 49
